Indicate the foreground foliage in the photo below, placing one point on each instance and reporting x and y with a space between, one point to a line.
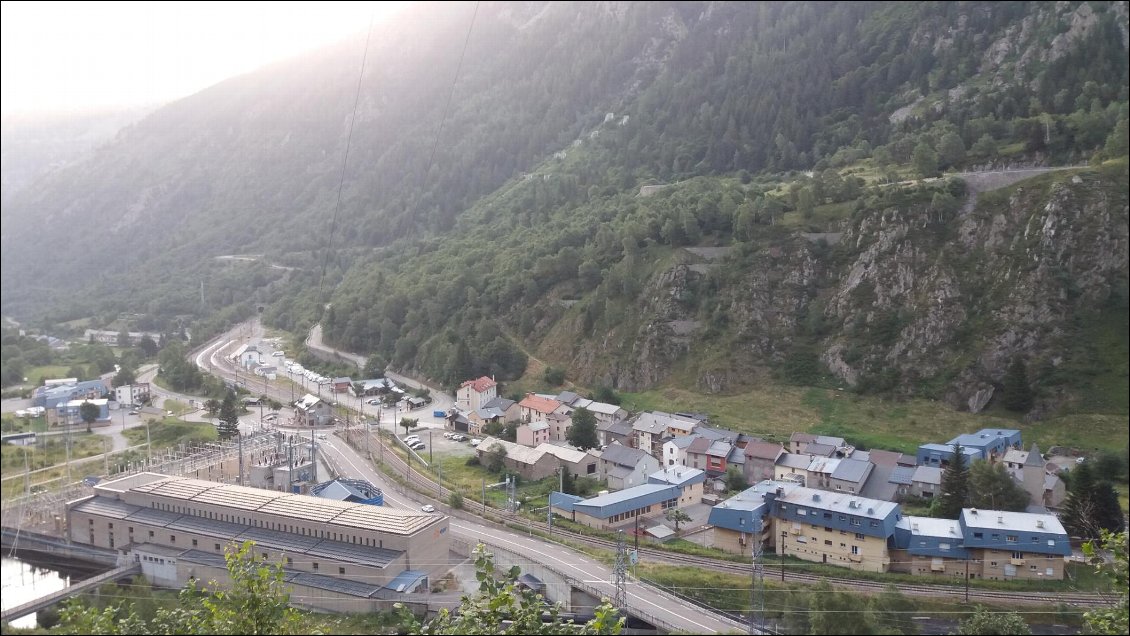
257 601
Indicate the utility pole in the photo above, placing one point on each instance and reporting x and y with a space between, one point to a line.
240 481
757 585
966 580
484 496
781 551
620 574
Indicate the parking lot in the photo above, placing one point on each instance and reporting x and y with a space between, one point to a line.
439 444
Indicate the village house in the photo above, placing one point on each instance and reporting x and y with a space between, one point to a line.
618 432
624 467
474 394
311 410
536 407
542 461
761 460
135 393
533 433
498 409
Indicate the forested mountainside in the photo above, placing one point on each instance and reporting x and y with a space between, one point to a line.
31 145
782 242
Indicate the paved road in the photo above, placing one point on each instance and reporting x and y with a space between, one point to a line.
441 400
644 601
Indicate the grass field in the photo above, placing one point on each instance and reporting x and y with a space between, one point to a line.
774 412
171 432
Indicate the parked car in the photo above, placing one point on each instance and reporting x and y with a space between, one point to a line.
373 402
278 354
418 446
411 438
476 441
448 435
459 438
135 412
428 508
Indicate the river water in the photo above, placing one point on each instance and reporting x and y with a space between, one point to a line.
23 582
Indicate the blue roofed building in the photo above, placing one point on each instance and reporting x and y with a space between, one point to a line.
745 517
689 480
929 546
992 443
939 455
834 527
988 443
621 508
1014 545
350 490
50 397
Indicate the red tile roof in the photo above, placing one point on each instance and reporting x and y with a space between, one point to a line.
539 404
479 385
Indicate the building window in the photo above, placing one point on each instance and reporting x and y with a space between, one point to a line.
315 566
90 521
992 564
289 561
978 535
874 524
150 534
1035 539
827 542
860 536
341 570
111 526
856 522
217 546
855 549
1011 538
1049 572
172 538
194 543
1018 555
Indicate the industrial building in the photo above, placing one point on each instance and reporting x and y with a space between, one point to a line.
343 556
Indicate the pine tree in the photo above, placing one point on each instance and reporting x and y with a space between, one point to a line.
1107 511
229 417
1017 394
1078 508
955 486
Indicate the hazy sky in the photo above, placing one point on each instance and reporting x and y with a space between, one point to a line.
64 56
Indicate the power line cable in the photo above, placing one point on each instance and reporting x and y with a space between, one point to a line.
345 160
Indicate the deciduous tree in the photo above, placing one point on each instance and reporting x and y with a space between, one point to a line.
582 433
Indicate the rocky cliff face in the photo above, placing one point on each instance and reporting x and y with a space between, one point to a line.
918 299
